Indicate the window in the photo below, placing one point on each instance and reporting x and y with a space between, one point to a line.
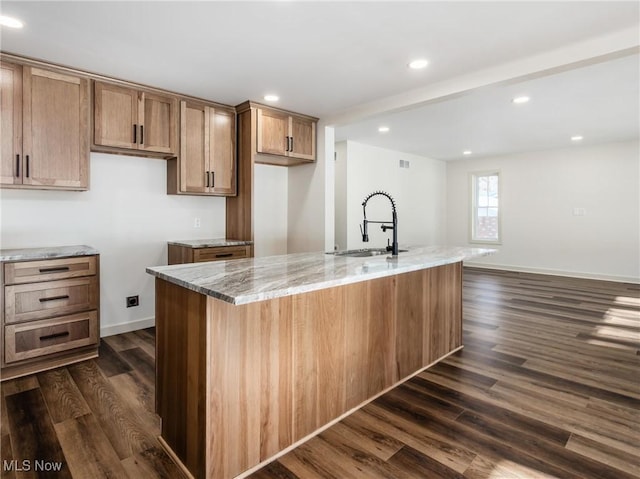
485 207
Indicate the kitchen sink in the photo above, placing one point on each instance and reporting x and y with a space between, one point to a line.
365 252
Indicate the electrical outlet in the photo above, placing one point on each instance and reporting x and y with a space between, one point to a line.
196 222
132 301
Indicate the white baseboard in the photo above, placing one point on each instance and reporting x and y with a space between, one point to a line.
127 327
554 272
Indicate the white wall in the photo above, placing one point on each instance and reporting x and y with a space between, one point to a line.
126 215
311 198
419 192
539 193
270 210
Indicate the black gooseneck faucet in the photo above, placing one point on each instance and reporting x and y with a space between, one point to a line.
385 224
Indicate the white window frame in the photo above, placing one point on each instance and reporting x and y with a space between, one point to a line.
473 179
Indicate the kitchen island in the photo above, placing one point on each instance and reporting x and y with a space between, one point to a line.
254 356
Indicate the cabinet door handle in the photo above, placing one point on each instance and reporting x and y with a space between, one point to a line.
287 148
135 134
18 166
53 336
142 134
291 147
213 179
54 270
224 255
54 298
206 173
27 167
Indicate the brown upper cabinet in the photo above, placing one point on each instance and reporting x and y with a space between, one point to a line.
207 161
285 134
137 121
45 125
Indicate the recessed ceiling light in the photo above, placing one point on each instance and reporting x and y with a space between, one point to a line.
576 138
383 129
10 22
271 97
466 152
520 99
418 64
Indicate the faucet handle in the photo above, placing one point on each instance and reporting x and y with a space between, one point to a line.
365 236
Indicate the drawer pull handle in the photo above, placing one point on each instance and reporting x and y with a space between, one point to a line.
54 298
53 336
54 270
224 255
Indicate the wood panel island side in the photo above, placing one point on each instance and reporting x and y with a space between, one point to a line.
254 356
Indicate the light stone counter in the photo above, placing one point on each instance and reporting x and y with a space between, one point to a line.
210 243
245 281
33 254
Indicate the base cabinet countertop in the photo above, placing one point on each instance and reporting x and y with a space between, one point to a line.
255 356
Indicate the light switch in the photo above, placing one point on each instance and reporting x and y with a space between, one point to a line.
196 222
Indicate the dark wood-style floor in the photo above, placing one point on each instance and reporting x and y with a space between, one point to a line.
547 386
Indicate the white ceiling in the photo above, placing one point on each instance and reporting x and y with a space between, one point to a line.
327 57
599 102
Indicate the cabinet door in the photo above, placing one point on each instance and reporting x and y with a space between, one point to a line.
273 130
55 129
303 138
115 116
222 148
157 116
11 126
193 157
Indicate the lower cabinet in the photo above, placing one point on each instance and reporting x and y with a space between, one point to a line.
185 254
50 313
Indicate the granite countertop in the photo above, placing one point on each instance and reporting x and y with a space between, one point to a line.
210 243
249 280
29 254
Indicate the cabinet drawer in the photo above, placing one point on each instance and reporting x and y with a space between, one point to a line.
26 302
38 338
220 254
49 270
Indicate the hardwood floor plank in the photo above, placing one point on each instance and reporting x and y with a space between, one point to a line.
110 362
143 363
370 442
605 454
404 412
151 463
564 458
61 395
93 458
33 437
18 385
124 429
512 419
6 453
418 465
275 470
448 453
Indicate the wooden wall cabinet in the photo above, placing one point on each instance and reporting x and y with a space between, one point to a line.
286 134
207 161
50 313
134 121
45 129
